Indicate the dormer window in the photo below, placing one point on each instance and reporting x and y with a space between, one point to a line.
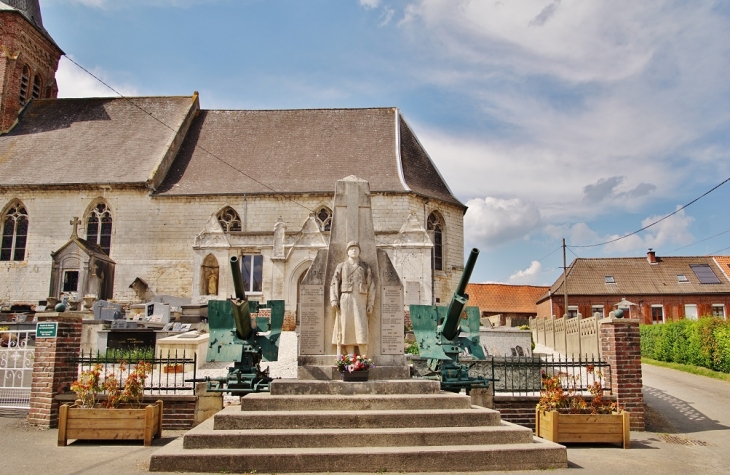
609 279
682 278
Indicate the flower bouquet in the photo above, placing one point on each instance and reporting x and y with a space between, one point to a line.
352 364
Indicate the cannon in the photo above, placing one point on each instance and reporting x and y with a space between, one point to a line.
444 333
234 337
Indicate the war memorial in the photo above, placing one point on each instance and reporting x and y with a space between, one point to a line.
319 423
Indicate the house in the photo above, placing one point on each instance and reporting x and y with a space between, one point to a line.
505 305
653 289
170 192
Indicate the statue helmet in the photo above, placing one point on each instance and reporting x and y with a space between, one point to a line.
353 244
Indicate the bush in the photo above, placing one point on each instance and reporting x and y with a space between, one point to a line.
704 342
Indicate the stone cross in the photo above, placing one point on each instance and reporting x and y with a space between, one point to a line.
75 223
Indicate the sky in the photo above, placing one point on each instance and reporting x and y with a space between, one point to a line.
549 119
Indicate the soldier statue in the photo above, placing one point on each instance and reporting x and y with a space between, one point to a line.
352 295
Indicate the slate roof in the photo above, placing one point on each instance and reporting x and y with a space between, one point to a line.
301 151
91 140
636 276
503 298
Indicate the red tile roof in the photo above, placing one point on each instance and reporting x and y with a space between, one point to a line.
504 298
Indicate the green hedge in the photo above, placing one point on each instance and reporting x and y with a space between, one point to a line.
704 342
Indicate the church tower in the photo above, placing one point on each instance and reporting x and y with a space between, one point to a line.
28 59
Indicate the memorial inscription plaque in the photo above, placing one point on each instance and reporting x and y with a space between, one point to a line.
311 334
391 320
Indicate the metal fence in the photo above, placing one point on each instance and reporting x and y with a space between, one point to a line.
522 376
17 353
168 375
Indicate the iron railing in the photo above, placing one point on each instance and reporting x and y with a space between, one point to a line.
523 375
17 354
168 375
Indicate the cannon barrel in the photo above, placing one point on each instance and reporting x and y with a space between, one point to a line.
237 280
458 302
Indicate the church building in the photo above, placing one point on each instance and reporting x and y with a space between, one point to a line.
132 198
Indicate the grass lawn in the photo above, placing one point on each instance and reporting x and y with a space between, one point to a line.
688 369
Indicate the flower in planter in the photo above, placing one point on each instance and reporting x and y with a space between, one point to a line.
89 385
352 362
554 396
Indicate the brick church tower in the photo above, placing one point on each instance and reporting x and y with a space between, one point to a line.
28 59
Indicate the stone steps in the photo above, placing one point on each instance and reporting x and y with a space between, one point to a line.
309 427
538 455
232 418
204 436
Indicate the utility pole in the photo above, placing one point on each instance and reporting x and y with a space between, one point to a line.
565 282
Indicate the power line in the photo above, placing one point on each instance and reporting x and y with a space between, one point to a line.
697 242
657 221
196 145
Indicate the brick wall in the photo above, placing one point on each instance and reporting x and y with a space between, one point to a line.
28 47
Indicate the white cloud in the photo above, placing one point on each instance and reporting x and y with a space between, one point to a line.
116 4
490 222
369 3
674 230
74 82
528 275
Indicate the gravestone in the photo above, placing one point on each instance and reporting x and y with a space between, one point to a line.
352 221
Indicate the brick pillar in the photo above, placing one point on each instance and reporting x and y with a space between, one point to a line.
620 347
52 370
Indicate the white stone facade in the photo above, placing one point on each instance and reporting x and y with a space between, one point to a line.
164 241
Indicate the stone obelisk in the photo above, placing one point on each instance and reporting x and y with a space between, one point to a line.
352 220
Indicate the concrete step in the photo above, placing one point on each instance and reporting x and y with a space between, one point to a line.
290 387
359 402
231 418
538 454
204 436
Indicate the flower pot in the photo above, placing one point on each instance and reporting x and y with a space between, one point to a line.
591 428
109 424
355 375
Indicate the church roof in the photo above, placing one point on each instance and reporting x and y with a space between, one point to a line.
301 151
92 140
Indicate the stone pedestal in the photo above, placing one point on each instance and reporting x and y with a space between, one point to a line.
621 348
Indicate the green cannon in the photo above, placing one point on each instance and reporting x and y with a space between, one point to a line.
234 337
444 333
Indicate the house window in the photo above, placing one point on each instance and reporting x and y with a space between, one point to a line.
690 311
609 279
572 311
252 272
598 309
435 228
657 314
15 233
718 310
682 278
24 82
36 94
324 218
99 227
229 219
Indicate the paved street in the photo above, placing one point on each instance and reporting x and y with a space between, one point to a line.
689 432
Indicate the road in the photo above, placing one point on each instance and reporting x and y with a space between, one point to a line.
688 433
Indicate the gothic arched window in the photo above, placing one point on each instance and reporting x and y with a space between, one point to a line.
435 228
15 233
24 83
324 218
36 94
99 227
229 219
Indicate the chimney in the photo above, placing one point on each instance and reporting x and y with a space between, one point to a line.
651 256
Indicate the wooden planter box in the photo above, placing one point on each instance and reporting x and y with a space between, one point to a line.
595 428
108 424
